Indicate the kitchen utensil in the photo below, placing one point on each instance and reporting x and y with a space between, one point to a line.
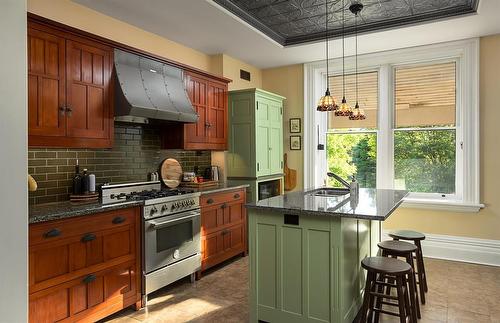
290 176
171 172
215 173
188 176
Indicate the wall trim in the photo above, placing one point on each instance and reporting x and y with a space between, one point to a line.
463 249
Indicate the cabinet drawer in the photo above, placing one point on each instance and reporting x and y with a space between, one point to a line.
224 197
89 297
222 215
63 259
61 229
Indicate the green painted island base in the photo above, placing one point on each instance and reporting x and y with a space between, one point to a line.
309 271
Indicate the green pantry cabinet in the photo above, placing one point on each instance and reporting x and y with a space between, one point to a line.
255 154
308 271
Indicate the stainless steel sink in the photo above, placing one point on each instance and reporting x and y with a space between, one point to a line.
330 191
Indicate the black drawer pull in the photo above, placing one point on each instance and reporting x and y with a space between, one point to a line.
118 220
223 206
52 233
224 232
88 237
236 196
210 201
90 278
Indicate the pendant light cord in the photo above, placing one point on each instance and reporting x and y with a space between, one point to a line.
356 49
343 51
326 36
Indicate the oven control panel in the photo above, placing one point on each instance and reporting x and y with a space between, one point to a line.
181 204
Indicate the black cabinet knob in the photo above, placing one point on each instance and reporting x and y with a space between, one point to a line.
224 205
90 278
88 237
236 196
52 233
210 201
118 220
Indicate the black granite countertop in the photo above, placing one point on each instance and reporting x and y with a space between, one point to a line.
218 188
371 204
62 210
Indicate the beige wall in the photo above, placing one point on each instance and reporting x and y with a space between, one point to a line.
231 69
288 81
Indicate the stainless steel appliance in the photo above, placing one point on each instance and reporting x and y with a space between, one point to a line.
171 246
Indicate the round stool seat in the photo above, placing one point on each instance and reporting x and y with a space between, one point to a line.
384 265
396 246
407 235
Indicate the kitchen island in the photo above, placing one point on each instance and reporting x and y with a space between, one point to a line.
305 252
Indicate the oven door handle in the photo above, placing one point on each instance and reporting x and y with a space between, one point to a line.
157 225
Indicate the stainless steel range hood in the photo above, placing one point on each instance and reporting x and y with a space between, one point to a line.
148 89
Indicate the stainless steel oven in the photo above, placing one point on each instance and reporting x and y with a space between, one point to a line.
171 241
171 238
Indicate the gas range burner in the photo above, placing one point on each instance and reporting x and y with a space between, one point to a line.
140 191
153 194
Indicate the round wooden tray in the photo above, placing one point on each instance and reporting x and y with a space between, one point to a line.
171 172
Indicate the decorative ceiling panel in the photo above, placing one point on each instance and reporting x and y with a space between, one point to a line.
291 22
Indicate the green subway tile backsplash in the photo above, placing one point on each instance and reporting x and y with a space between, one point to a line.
136 153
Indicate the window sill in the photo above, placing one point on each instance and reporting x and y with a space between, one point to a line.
450 206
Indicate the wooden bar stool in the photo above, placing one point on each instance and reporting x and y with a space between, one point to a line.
394 248
416 237
380 268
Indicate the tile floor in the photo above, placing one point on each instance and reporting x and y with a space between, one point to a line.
458 292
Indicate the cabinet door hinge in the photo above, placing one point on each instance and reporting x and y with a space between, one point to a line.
257 105
281 164
281 110
257 166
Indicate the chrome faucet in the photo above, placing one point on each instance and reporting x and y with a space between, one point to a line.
338 178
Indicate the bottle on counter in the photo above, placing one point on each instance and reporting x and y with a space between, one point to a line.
77 180
354 186
91 183
85 182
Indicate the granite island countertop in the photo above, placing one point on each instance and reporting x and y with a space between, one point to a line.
371 204
61 210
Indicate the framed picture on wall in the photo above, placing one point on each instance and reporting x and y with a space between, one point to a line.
295 143
295 125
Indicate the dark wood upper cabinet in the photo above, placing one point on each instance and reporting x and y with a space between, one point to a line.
46 84
209 99
69 90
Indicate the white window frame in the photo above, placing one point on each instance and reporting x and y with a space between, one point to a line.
465 54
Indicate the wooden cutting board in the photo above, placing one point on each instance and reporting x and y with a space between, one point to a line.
171 172
290 176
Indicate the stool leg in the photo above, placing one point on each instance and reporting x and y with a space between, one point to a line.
412 280
366 298
421 279
415 310
401 299
408 309
419 246
372 298
378 302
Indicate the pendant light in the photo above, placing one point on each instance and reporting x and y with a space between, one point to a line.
345 109
327 102
357 113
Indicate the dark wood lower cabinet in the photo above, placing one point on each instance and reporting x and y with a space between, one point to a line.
223 227
85 268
